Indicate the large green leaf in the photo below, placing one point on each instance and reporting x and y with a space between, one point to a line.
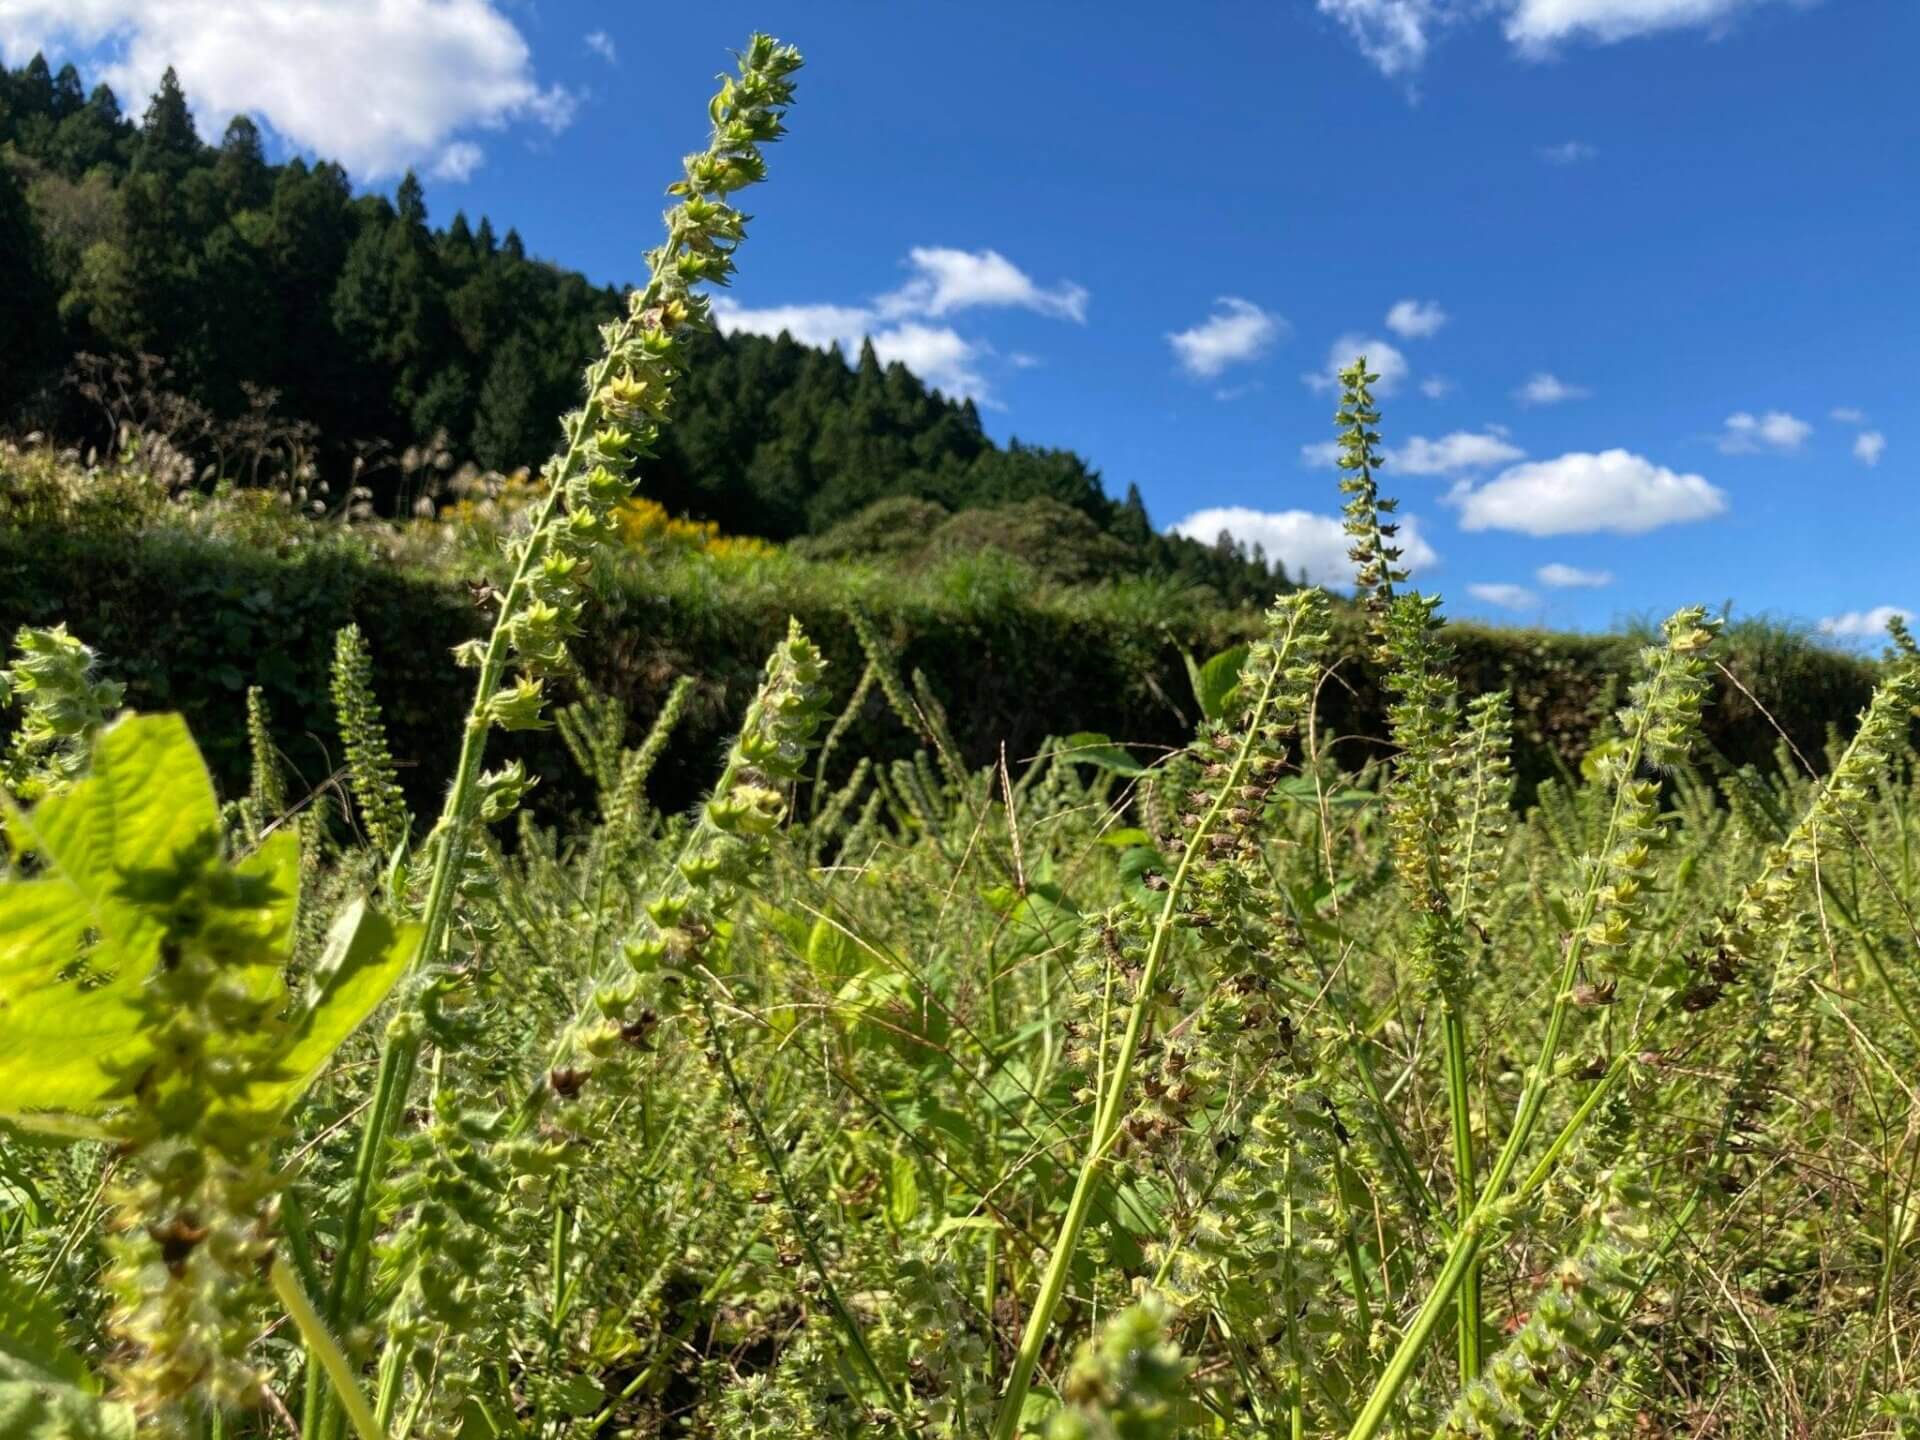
114 857
75 942
365 956
1093 748
1215 681
46 1390
30 1343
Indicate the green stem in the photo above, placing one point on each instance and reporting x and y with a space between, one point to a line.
1107 1117
320 1344
1459 1105
855 1335
1465 1252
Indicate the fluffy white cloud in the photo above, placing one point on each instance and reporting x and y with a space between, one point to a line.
822 325
1847 415
458 161
938 354
1416 319
1580 493
1746 434
1863 624
1506 596
1435 387
1868 447
1390 33
376 84
1537 26
1567 152
1383 359
1449 455
1545 389
602 45
1236 332
1570 577
950 280
1396 35
1311 547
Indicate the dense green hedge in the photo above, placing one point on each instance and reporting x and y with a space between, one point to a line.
188 622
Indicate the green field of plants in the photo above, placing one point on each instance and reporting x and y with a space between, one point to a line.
1546 1069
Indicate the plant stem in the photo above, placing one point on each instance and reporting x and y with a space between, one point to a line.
1107 1117
321 1345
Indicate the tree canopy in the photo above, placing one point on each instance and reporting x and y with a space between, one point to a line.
363 321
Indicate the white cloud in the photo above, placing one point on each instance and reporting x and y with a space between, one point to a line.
1580 493
1567 152
1537 26
950 280
1847 415
1312 547
602 45
1868 447
1545 389
938 356
1396 35
1505 595
1746 434
1450 454
458 162
1435 387
375 84
1236 332
1863 624
1390 33
822 325
1383 359
1416 319
1569 577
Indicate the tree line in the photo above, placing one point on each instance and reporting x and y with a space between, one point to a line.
276 284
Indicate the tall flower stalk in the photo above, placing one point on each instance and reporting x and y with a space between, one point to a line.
629 398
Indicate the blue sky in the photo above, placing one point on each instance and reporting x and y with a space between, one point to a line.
1648 269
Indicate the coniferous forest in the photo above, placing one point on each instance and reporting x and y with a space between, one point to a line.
276 294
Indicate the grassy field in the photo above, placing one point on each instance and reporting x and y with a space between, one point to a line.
1528 1060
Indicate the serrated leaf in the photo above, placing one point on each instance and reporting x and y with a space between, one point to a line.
364 958
75 941
42 1410
30 1343
903 1192
1215 681
1090 747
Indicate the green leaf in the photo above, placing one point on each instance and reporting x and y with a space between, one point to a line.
43 1410
903 1192
364 958
146 807
1124 839
832 954
46 1390
1215 681
30 1343
1092 748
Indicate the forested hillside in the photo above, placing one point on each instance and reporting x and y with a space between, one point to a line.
275 295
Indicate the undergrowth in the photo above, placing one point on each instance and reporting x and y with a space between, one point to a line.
1089 1092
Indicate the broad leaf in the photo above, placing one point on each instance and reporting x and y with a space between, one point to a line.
365 956
1098 750
1215 681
